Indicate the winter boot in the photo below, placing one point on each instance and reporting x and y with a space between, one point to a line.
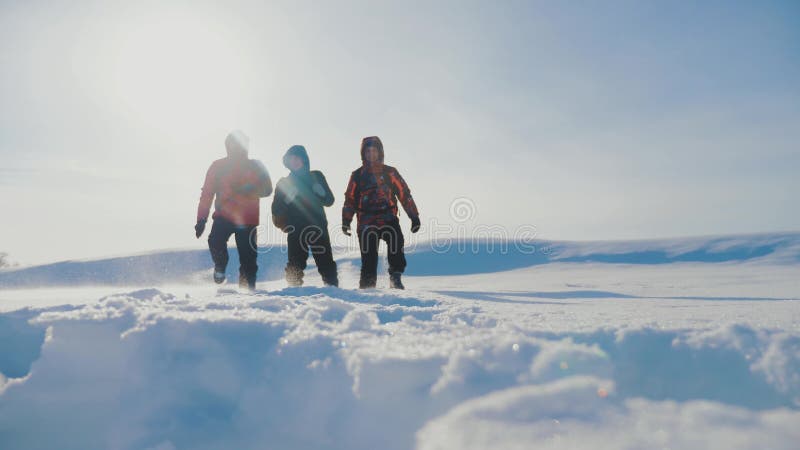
294 276
331 281
367 283
247 282
395 282
219 277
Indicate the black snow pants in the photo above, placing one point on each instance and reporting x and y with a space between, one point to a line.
246 237
368 240
315 239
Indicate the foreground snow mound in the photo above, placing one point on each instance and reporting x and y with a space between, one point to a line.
307 368
575 413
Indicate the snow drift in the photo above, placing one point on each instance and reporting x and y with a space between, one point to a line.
580 354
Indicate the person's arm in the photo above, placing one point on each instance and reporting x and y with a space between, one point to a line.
265 182
349 208
207 193
279 208
256 181
403 194
322 189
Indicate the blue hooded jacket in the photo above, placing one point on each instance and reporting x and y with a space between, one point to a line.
300 197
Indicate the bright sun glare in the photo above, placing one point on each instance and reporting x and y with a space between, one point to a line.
178 74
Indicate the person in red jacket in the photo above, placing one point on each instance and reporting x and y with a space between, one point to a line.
238 183
372 195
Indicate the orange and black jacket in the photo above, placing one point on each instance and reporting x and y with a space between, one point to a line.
373 192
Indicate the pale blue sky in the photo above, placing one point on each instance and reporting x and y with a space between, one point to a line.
588 120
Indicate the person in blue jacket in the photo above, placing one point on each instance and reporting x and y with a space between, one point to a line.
298 210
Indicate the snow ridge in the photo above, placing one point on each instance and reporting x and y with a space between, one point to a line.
427 258
332 368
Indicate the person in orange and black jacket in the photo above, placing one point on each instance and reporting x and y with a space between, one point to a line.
372 195
298 210
238 183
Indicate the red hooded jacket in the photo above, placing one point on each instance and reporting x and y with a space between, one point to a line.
238 184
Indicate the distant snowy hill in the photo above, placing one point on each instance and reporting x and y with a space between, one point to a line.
427 259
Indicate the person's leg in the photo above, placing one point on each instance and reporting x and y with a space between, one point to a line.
323 257
298 257
393 236
221 231
395 242
368 242
246 244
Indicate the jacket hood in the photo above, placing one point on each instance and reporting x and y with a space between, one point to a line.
237 144
300 152
371 141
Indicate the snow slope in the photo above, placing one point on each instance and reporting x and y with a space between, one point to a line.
459 257
681 344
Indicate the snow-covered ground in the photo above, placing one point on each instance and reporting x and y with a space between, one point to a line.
680 344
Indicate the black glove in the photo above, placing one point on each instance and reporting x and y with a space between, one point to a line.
199 228
346 229
415 224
